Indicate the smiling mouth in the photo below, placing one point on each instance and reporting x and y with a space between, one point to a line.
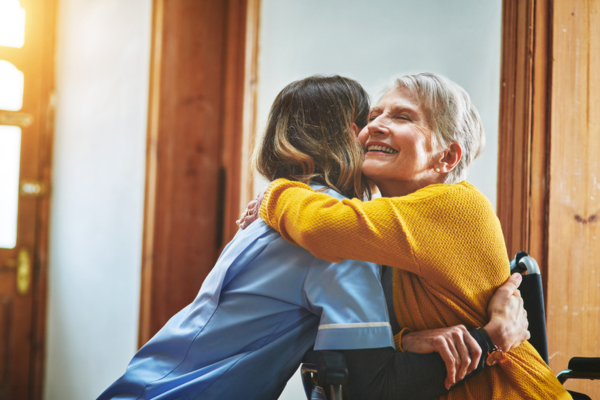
382 149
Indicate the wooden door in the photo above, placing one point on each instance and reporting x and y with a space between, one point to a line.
574 188
26 55
549 173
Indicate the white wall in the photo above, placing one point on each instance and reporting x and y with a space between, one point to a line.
374 40
103 52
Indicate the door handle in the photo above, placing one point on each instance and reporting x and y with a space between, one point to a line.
23 272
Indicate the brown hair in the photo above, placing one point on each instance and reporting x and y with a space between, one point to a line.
309 134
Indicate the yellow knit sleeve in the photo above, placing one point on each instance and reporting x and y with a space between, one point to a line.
336 230
401 232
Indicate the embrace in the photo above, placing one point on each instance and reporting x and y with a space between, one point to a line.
429 311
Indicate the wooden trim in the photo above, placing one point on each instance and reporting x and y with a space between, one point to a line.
144 330
539 173
240 100
40 278
198 130
523 126
250 100
6 311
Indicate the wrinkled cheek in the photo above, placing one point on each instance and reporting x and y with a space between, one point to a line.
363 135
375 168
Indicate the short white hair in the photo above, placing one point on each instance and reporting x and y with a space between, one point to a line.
451 115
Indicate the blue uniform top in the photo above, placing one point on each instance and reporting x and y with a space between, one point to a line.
265 303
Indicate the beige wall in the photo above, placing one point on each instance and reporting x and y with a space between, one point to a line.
102 63
375 40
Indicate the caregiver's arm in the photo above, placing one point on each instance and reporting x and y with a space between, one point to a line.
384 374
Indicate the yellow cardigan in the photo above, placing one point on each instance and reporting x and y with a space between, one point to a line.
447 246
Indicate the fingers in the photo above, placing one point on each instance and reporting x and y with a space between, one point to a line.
511 285
459 351
524 325
441 346
506 299
515 279
454 350
474 352
249 215
462 351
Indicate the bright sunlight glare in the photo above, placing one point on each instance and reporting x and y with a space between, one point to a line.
10 154
12 23
11 87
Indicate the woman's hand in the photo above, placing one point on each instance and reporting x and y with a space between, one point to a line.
455 345
251 212
461 353
508 319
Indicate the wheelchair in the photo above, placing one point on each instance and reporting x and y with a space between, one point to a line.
324 373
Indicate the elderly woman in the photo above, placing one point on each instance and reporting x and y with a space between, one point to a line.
438 231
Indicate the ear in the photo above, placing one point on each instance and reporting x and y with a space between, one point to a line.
449 158
356 129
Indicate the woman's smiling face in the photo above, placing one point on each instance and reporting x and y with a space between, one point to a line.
398 146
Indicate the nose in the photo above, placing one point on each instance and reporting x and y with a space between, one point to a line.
379 125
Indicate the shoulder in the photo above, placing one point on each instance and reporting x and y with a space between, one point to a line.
471 194
462 191
347 277
458 201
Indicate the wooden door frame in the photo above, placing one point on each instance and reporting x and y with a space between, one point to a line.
40 281
524 140
236 127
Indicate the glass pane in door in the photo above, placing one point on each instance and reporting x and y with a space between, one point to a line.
11 87
10 155
12 24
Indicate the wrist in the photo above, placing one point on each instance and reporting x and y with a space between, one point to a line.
496 332
399 338
494 353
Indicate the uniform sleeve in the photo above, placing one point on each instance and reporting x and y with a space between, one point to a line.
351 303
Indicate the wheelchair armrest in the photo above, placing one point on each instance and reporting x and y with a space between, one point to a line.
330 366
581 368
330 370
524 263
585 364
